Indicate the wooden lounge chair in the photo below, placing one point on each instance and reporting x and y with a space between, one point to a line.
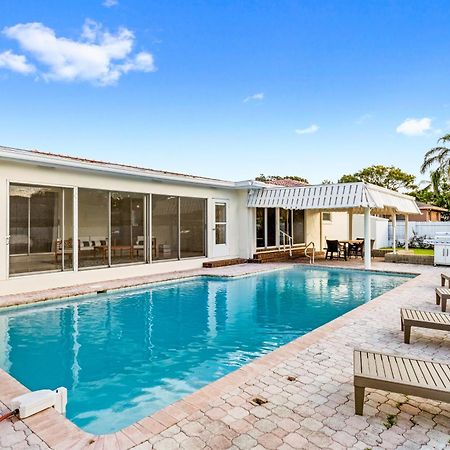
445 278
423 319
400 374
442 295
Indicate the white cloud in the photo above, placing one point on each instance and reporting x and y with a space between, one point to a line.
256 97
99 56
110 3
414 127
308 130
16 63
363 118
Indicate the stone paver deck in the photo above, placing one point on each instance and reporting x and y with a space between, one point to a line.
305 387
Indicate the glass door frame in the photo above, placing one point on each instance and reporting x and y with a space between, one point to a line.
289 223
10 182
220 250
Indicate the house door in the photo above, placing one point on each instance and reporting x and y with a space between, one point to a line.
220 229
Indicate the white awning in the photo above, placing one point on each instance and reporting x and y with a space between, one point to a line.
334 197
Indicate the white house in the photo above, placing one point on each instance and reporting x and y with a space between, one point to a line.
67 220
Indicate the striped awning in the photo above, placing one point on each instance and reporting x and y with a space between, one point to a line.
334 197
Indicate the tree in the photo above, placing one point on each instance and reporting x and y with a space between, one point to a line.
267 178
438 156
436 192
389 177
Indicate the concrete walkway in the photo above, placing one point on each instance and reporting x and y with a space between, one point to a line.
305 386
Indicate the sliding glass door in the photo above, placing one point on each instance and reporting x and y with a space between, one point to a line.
40 228
112 228
93 228
290 223
266 227
164 227
128 240
178 227
192 227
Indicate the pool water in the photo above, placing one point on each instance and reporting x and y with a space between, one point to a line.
126 354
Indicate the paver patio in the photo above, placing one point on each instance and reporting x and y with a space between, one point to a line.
307 385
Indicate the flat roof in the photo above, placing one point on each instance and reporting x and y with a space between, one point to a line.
56 160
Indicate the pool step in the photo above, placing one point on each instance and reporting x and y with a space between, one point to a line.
224 262
278 255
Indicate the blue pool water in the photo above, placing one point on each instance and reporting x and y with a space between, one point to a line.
127 354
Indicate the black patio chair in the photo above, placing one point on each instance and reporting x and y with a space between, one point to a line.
372 242
335 247
356 249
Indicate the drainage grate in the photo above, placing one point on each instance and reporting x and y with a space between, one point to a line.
258 401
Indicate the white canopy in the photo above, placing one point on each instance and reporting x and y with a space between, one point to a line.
334 197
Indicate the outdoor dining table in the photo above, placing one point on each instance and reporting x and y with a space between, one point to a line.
347 243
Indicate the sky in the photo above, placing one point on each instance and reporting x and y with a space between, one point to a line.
228 89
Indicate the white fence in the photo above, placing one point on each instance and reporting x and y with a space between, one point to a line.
425 229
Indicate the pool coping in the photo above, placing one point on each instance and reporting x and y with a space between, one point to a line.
60 433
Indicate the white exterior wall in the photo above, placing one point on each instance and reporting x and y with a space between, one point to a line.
337 228
312 228
240 221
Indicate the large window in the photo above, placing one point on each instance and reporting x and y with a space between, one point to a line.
40 228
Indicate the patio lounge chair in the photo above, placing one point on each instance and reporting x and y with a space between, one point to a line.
335 247
423 319
400 374
445 278
442 295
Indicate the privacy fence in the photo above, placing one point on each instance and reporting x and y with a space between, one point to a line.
422 229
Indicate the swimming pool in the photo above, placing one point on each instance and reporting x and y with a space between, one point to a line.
123 355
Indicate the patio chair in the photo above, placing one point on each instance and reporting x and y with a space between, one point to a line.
356 249
372 243
400 374
335 247
423 319
139 245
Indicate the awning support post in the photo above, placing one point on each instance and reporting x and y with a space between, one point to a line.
406 232
367 246
394 233
350 225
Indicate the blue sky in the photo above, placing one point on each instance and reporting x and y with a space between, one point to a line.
228 89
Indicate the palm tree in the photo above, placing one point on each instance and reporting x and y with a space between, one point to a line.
439 156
